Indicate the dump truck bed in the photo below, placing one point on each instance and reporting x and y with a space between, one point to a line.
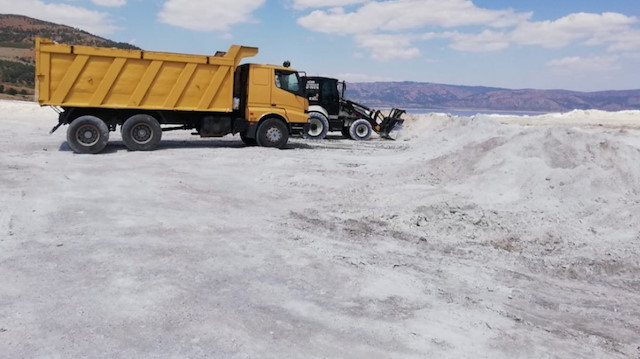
84 76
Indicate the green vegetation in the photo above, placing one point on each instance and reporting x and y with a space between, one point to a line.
17 45
17 37
13 92
19 32
17 73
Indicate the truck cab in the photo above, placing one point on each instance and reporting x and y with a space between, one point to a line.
269 91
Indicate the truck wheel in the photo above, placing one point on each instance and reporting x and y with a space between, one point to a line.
317 128
87 134
141 133
272 133
360 130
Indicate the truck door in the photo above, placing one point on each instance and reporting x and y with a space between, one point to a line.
288 94
259 92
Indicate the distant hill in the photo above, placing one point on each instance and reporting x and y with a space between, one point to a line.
17 34
438 96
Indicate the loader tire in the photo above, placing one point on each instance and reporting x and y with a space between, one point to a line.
87 134
318 127
272 132
141 133
360 130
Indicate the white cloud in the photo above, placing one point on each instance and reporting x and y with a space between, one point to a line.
485 41
611 30
388 47
376 23
593 28
95 22
407 14
375 26
304 4
110 3
577 64
624 40
203 15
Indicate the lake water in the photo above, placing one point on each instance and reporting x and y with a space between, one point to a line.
422 111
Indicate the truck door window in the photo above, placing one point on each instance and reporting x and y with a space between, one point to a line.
288 81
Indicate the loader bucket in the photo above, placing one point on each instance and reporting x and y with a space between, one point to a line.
391 125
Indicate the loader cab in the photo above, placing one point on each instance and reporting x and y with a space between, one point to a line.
325 92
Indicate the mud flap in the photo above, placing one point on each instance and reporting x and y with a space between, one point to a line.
56 127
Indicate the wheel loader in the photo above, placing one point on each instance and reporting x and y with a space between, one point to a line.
329 110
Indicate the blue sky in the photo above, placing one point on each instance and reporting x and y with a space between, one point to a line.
584 45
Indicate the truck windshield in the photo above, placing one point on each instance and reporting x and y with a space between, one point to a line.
288 81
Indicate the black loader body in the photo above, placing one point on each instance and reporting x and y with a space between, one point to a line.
331 111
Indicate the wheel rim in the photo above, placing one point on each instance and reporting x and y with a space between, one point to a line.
315 127
273 134
88 135
141 133
362 130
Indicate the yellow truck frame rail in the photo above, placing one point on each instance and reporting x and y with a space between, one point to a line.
97 89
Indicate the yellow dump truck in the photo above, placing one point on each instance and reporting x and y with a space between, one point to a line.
97 89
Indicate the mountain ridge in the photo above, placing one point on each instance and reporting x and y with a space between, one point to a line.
19 31
411 94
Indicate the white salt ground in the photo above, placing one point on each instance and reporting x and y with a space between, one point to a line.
468 237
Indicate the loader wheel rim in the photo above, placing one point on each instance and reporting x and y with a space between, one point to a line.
362 130
88 135
273 134
142 133
315 127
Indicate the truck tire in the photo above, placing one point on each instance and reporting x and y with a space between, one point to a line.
318 127
141 133
360 130
272 133
87 134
